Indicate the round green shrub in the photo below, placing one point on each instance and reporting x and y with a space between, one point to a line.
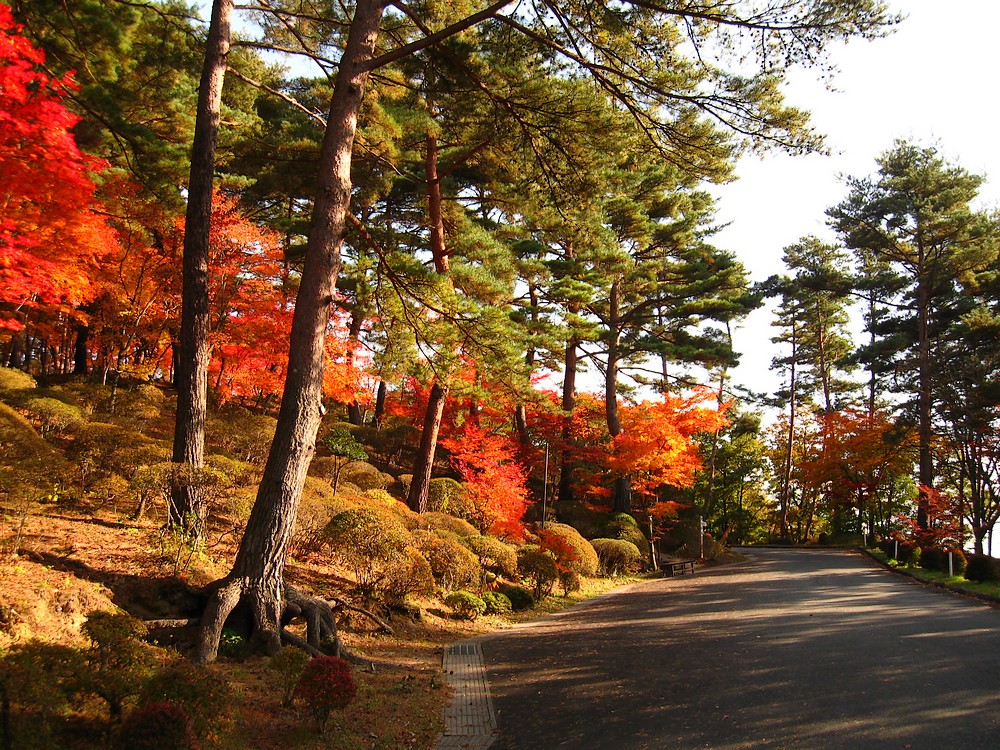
497 603
933 558
465 604
982 568
453 564
571 550
51 415
367 541
446 495
494 555
539 568
617 556
15 380
958 561
410 575
909 554
326 684
289 664
381 496
445 522
518 596
362 475
630 532
623 519
157 726
569 580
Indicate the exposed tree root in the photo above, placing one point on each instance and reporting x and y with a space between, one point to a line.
341 604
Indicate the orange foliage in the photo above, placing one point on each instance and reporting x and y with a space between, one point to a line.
854 457
657 445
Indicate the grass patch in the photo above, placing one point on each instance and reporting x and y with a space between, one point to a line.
986 589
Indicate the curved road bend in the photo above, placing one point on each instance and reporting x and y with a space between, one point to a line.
793 649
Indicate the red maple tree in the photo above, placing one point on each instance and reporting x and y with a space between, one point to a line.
51 238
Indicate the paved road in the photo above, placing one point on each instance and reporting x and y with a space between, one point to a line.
795 649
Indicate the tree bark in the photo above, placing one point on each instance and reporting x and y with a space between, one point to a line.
257 574
924 398
186 509
568 460
379 412
420 485
621 489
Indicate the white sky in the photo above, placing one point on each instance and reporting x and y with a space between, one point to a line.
933 81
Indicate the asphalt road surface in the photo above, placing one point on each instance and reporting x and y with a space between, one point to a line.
793 649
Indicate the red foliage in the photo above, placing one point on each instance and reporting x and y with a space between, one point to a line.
559 547
496 481
51 239
325 685
944 521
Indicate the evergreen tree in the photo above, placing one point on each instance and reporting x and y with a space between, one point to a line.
915 216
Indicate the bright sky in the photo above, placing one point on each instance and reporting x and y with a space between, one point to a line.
933 81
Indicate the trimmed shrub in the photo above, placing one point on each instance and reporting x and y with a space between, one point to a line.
121 661
410 575
617 556
518 596
496 556
242 434
445 522
629 532
569 580
453 564
982 568
15 380
368 541
157 726
326 684
623 519
446 495
933 558
205 696
42 680
571 550
497 603
465 604
539 568
289 664
362 475
909 554
51 416
381 497
958 561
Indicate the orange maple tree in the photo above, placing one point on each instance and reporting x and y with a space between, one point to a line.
856 457
657 446
51 238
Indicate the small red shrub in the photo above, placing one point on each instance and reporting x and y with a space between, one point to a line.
325 685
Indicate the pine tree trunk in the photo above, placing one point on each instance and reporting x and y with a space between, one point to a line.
924 399
258 571
379 411
420 485
186 506
568 460
621 489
